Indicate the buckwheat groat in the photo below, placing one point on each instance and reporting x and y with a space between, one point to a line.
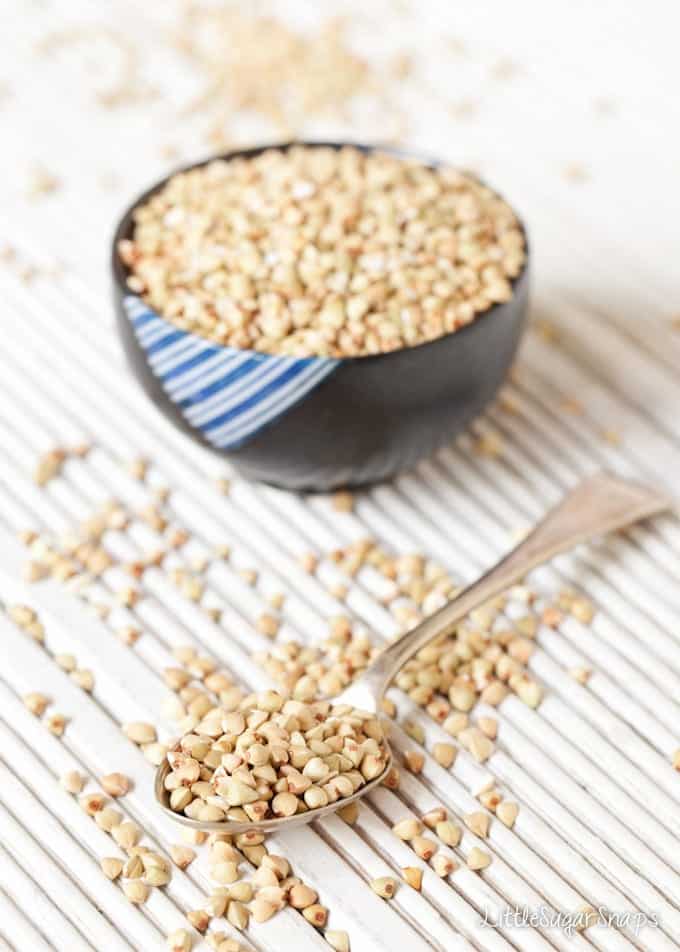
316 251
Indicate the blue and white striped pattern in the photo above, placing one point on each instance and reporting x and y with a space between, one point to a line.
227 394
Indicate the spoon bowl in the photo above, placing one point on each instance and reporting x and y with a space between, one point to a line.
361 695
272 825
600 504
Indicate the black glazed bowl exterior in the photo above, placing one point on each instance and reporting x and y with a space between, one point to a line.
316 423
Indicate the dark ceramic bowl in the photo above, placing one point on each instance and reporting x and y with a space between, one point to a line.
317 423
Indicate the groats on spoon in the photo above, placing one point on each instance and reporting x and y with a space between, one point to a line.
245 767
271 825
274 758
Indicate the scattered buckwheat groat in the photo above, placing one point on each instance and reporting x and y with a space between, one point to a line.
26 618
49 466
112 867
116 784
36 703
136 891
56 724
323 251
448 832
179 941
343 501
507 812
444 754
433 817
580 674
41 182
414 761
407 829
413 875
423 847
140 732
385 886
478 859
337 940
478 823
266 757
72 781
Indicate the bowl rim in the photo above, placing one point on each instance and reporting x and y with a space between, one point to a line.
124 225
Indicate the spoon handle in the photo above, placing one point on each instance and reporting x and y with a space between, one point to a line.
599 504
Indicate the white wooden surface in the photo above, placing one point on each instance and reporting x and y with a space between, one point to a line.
595 88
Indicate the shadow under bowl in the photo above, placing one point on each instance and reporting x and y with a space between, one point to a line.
316 423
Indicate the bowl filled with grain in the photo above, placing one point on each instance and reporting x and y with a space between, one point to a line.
323 314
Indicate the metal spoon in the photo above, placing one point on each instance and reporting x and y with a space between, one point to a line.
600 504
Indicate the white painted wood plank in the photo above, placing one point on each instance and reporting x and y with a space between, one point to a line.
64 892
30 919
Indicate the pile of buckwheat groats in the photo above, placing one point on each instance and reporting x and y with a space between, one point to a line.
322 251
266 65
268 757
